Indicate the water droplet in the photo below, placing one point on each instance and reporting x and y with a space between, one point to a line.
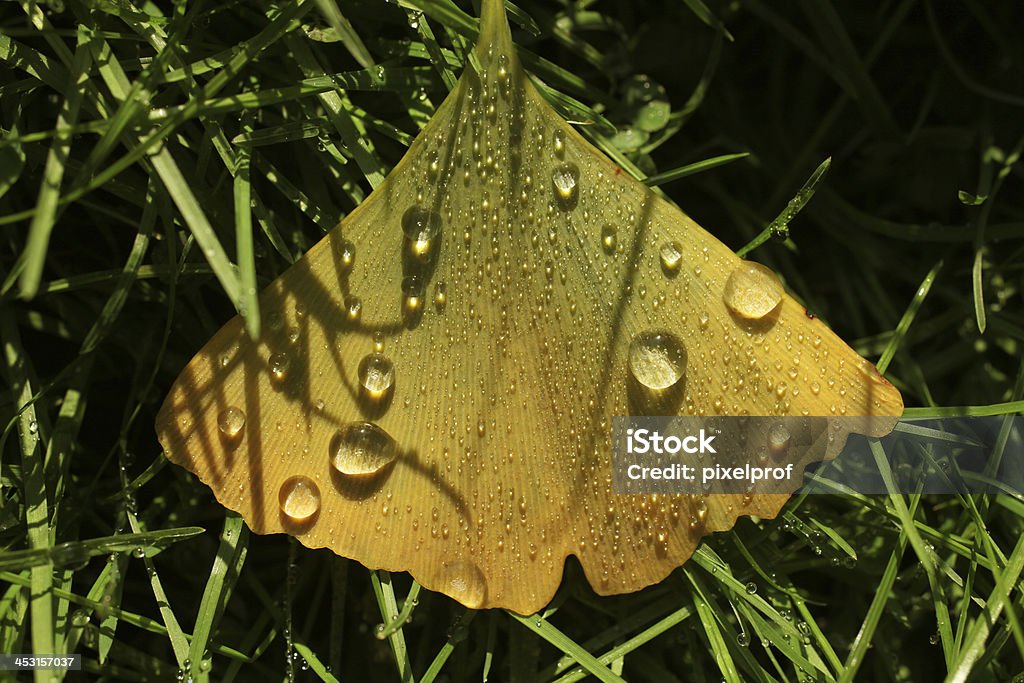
80 618
464 582
230 422
671 257
353 308
779 439
657 360
33 427
742 639
420 226
377 376
440 295
565 180
752 290
279 364
361 449
559 139
751 587
346 256
139 552
299 498
412 295
608 238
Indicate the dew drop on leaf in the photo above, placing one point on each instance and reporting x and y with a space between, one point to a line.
299 498
657 360
361 449
752 291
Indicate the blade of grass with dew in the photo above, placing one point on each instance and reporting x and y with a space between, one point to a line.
998 599
706 612
691 169
227 565
178 641
388 605
53 175
346 32
780 226
434 670
33 488
548 632
908 318
658 608
75 552
313 662
435 53
924 554
108 591
630 645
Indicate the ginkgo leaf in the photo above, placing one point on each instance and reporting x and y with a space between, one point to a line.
436 383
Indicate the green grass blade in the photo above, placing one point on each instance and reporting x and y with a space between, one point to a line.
53 175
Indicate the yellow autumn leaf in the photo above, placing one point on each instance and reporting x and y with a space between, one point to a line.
435 387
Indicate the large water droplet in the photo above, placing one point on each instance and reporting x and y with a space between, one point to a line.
361 449
565 180
657 360
377 376
464 582
230 422
279 364
671 257
420 226
299 498
779 440
609 240
752 291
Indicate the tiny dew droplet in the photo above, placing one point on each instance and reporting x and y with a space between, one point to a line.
657 360
279 364
346 255
230 422
779 439
609 240
376 376
752 291
440 295
565 180
671 257
299 498
361 449
353 308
